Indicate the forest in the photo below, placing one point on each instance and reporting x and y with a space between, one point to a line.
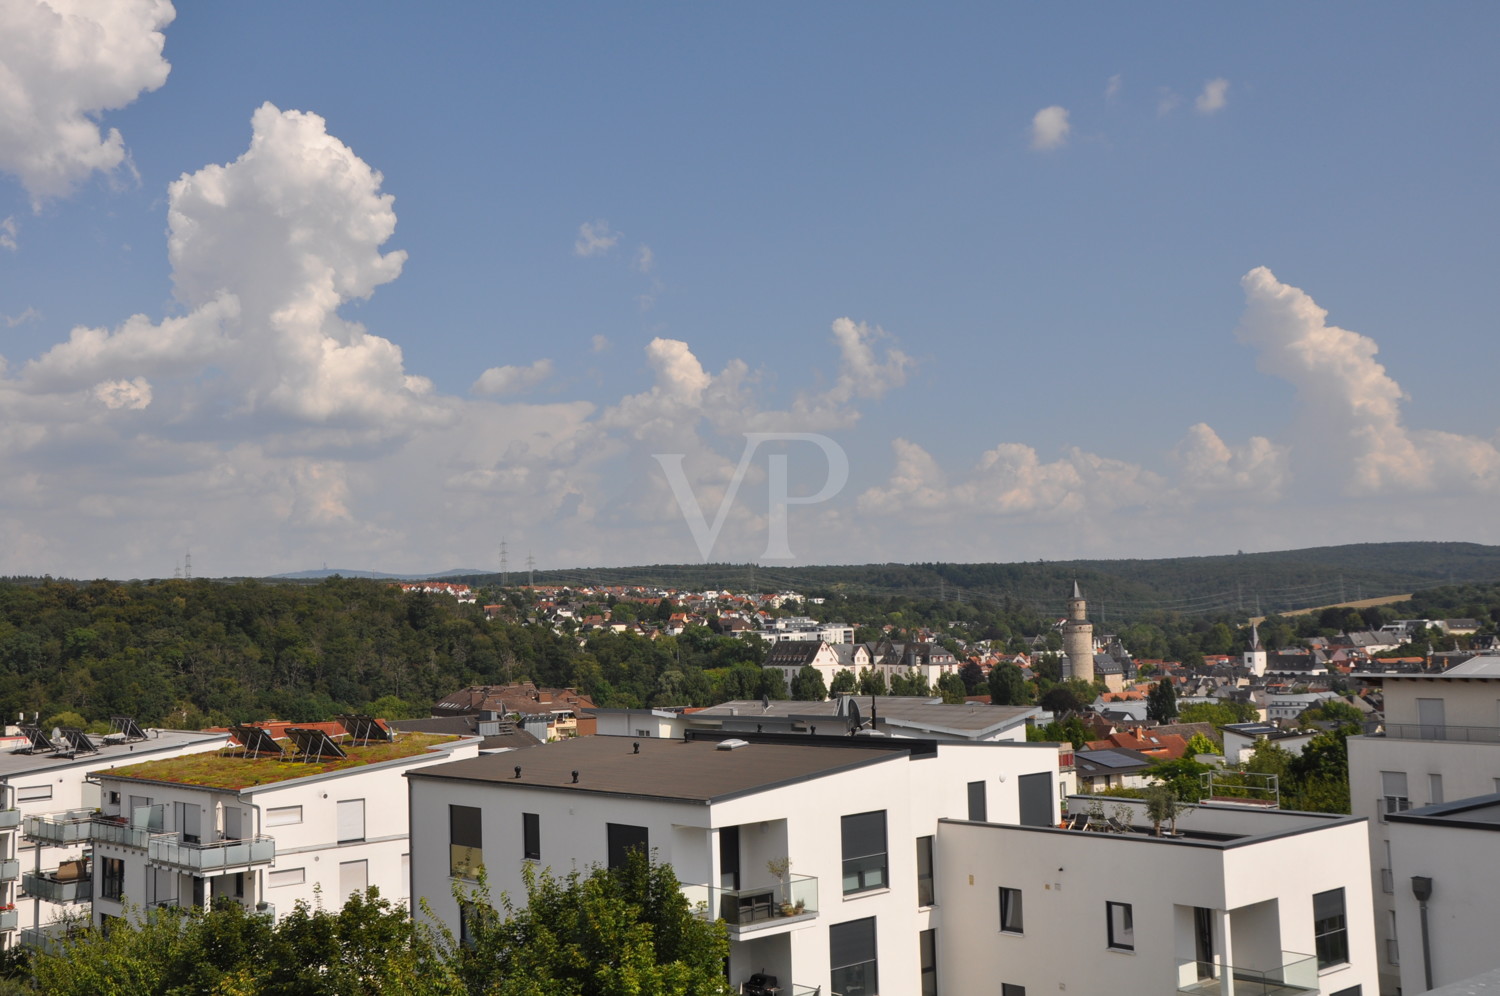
193 653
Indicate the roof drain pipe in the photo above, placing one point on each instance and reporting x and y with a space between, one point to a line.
1421 887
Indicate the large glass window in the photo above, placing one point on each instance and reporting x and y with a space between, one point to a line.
1330 928
465 841
926 894
1394 797
864 852
531 836
1011 989
927 944
623 839
851 956
978 809
112 882
1010 910
1121 918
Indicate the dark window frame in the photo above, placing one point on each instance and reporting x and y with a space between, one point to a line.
926 869
1331 928
870 867
531 836
112 878
1125 941
927 961
1012 911
621 839
853 957
978 802
465 841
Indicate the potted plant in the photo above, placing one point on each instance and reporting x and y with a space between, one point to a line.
781 868
1163 806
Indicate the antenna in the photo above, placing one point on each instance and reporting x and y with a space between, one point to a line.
187 565
177 570
504 565
530 571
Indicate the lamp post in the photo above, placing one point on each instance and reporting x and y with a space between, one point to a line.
1421 887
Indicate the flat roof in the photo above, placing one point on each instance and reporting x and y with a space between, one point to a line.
14 765
684 771
900 710
228 770
1482 812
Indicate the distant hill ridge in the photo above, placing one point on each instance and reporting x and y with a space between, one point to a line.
1244 584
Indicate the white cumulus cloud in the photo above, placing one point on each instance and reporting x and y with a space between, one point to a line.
1214 97
595 238
8 233
1113 86
1208 465
132 394
1050 128
62 62
510 379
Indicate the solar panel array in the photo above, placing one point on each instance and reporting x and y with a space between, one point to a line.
364 729
256 741
37 740
314 745
78 742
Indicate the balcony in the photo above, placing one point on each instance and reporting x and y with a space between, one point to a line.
70 888
1442 731
207 859
9 919
110 831
10 869
1297 973
1387 883
10 819
761 910
61 829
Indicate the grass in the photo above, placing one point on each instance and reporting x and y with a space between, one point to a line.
224 770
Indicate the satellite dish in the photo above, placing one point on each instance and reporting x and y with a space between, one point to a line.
854 722
765 702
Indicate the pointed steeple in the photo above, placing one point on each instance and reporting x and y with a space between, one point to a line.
1077 593
1254 636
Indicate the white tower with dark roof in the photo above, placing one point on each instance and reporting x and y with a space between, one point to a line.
1078 638
1255 657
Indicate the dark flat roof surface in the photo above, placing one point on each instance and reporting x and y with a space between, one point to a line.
691 771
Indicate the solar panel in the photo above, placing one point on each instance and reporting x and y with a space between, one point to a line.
314 745
37 740
364 729
78 741
126 729
255 741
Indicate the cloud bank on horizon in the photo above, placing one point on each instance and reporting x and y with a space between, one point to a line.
258 422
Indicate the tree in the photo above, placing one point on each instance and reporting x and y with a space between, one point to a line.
1161 701
844 681
1220 714
1061 700
1200 744
1181 776
1162 806
1008 685
951 687
622 932
973 678
808 685
871 682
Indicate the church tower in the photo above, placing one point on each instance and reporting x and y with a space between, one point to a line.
1078 638
1255 657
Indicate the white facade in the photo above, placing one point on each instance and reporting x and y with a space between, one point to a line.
49 801
315 838
1132 913
1441 742
901 716
720 844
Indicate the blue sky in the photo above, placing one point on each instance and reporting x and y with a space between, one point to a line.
1055 280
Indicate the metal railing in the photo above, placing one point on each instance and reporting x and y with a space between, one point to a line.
1388 804
10 869
1442 731
75 826
170 851
762 906
107 831
1392 951
1297 973
9 919
1387 882
41 937
10 819
43 886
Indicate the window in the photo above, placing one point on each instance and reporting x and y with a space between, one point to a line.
283 816
354 876
864 853
851 956
1121 918
977 807
623 839
351 820
1393 792
286 876
1392 952
531 836
112 881
1008 989
465 841
1010 910
1351 991
33 793
1330 928
927 946
1435 789
926 895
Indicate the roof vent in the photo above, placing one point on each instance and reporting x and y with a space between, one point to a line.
734 743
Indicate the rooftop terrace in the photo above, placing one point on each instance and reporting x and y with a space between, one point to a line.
229 769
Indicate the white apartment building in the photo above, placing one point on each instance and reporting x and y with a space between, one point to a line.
858 819
257 827
1242 901
48 799
1440 741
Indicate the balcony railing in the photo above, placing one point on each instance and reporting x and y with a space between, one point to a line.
1387 881
1442 731
9 919
107 831
42 937
10 819
46 886
200 859
757 908
60 829
10 869
1392 951
1297 973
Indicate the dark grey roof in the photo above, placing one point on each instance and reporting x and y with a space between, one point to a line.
1113 760
691 771
468 726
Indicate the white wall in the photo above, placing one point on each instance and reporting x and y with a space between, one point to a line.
1464 906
